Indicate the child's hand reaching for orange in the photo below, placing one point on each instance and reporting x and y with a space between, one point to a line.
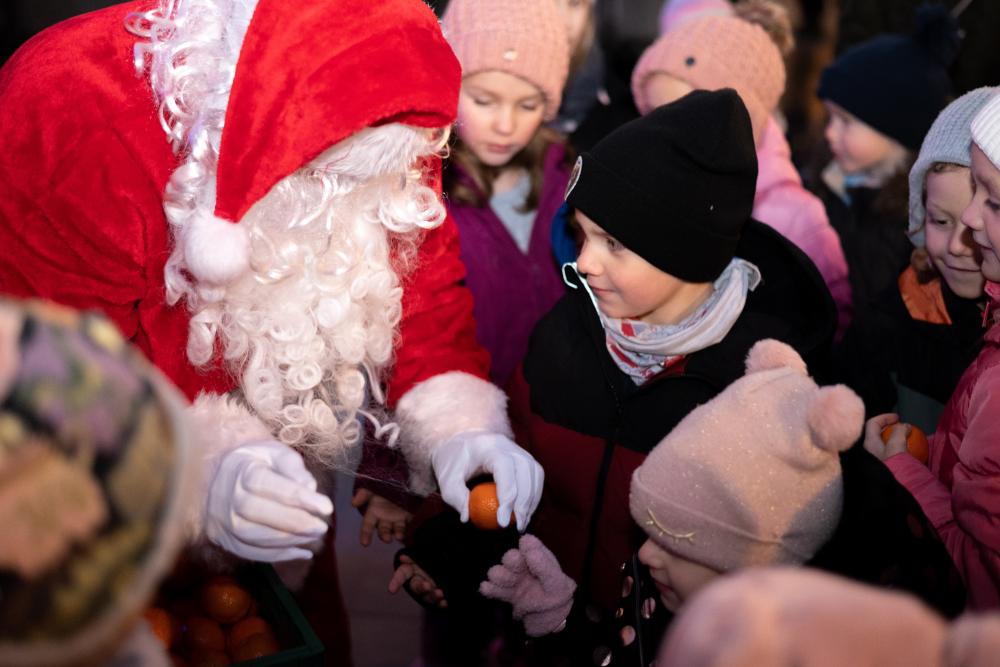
896 443
421 586
382 516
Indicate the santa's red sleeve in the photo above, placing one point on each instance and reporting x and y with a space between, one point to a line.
438 385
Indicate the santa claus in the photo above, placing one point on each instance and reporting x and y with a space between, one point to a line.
250 191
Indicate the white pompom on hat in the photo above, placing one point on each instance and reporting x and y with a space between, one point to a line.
216 251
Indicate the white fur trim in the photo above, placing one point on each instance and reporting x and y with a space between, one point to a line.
216 251
219 424
441 407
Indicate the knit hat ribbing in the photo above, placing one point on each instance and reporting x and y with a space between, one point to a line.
897 84
716 52
752 477
675 186
948 140
986 130
526 38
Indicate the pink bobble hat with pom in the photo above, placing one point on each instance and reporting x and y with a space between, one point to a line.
753 476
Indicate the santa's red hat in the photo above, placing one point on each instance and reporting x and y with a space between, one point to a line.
309 75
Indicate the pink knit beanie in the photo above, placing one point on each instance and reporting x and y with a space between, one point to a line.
715 52
765 617
752 477
526 38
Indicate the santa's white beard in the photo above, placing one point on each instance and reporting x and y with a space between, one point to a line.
309 330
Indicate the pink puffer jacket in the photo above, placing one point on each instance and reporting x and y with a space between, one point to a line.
959 489
783 203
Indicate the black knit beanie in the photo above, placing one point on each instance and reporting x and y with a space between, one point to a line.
675 186
897 84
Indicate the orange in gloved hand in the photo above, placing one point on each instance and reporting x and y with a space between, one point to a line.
483 505
916 442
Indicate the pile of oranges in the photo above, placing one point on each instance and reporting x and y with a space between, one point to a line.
218 628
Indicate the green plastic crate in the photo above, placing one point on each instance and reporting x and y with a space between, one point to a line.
279 609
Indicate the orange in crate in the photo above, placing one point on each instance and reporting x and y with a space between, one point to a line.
483 505
225 600
916 442
244 630
203 634
161 624
257 646
210 658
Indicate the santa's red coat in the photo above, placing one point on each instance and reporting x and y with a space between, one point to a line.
85 162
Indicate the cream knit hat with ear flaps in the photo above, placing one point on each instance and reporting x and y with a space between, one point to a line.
526 38
717 52
986 130
752 477
947 141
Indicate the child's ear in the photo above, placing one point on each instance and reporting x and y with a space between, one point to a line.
836 418
769 354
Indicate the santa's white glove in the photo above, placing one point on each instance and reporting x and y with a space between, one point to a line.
262 504
518 476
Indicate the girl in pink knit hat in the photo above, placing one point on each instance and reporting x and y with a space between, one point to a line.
508 172
705 46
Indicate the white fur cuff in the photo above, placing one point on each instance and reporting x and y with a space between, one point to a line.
441 407
218 425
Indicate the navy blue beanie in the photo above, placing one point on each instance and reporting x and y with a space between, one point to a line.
897 84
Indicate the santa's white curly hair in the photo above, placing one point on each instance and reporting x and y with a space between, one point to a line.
309 325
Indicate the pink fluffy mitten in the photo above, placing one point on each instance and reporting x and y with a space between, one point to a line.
530 579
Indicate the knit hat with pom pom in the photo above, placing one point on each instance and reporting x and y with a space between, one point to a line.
897 84
753 476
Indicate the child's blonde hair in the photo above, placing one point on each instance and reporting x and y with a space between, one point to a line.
478 192
773 17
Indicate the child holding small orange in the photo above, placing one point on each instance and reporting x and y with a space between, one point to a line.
906 352
959 489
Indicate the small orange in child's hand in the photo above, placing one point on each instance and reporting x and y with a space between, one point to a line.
256 646
916 442
225 600
243 630
204 633
161 624
483 505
